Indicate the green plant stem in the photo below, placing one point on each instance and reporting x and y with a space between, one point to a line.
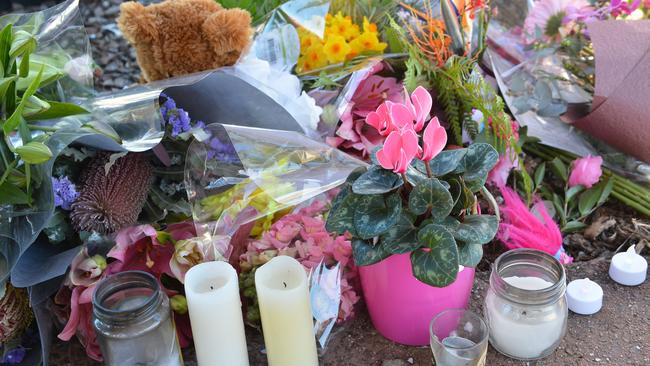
492 202
8 171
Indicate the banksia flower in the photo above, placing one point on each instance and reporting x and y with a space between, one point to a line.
15 313
111 200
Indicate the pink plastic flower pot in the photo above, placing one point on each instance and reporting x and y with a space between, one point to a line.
401 307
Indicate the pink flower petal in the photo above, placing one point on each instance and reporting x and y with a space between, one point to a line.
422 103
434 139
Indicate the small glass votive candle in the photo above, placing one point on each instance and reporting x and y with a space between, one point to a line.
458 338
525 306
133 321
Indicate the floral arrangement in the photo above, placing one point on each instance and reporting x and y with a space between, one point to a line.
416 198
302 235
343 40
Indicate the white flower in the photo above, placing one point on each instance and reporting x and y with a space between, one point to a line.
80 69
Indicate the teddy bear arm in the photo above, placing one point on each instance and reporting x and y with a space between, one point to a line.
229 34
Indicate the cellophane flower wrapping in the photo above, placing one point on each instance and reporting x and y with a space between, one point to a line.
258 193
548 88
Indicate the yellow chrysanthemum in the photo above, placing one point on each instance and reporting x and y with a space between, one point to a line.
336 49
369 27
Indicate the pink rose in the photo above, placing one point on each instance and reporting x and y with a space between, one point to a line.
586 171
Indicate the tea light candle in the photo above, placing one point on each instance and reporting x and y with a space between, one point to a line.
584 296
286 314
628 268
212 291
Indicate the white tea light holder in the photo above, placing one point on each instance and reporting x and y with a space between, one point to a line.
628 268
584 296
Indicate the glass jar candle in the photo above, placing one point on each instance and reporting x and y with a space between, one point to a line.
133 321
525 305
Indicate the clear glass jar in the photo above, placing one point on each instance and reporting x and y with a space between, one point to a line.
525 305
133 321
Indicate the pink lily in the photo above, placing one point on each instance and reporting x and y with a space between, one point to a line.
400 148
434 139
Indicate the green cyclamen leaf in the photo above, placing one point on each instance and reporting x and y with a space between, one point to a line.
341 216
478 161
377 180
374 215
470 254
431 195
402 237
477 229
447 161
365 254
437 266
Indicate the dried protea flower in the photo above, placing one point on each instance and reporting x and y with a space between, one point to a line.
15 314
112 198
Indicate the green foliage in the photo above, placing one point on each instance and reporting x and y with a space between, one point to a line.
430 214
22 75
258 9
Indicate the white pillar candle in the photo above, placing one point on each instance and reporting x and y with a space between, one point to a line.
584 296
285 310
525 332
212 291
628 268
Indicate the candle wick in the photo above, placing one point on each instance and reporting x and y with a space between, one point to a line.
211 288
285 284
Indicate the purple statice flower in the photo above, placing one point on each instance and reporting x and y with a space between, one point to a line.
222 151
199 124
65 192
15 356
180 121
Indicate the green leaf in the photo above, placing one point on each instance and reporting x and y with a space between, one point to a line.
438 264
559 207
588 200
539 174
402 237
478 161
431 195
470 254
13 121
572 192
5 46
34 152
606 191
35 105
573 226
58 110
12 195
452 27
374 215
341 216
447 161
24 66
377 180
477 229
4 85
23 43
104 129
365 254
560 169
448 222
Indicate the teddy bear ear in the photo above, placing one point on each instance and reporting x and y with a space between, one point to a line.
136 23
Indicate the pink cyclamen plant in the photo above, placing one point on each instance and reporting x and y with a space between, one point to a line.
586 171
401 123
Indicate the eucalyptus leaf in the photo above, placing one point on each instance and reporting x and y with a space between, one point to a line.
401 237
34 152
377 180
543 94
470 254
477 229
374 215
431 195
521 104
554 109
438 265
365 254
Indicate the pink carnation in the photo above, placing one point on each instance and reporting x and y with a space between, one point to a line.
586 171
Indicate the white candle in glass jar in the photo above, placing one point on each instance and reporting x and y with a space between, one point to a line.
522 331
212 291
286 314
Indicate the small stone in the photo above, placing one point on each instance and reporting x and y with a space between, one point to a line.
410 360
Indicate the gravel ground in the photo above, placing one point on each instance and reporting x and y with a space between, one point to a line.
615 336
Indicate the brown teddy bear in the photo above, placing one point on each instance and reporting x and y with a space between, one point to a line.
177 37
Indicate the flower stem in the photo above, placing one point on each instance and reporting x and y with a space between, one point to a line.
429 172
